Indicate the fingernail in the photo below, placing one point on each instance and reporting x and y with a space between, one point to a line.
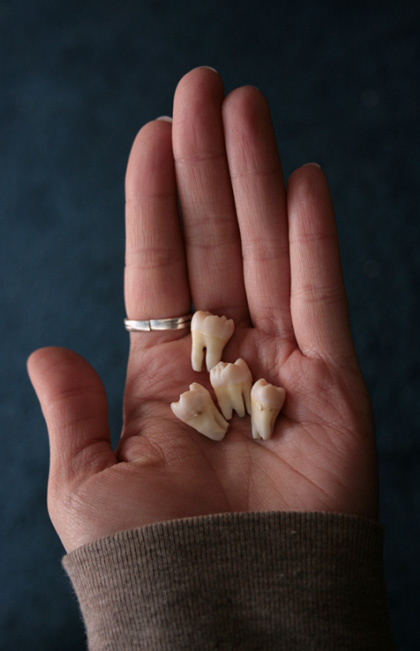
313 164
209 68
165 118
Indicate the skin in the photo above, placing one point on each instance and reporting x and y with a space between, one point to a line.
249 250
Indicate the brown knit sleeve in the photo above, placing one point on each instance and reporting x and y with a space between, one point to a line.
289 581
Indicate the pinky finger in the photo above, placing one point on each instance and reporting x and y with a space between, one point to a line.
318 297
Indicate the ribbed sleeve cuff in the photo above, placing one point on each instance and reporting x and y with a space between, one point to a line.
236 581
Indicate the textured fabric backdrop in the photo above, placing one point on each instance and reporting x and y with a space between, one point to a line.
77 80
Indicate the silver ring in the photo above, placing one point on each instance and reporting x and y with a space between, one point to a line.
175 323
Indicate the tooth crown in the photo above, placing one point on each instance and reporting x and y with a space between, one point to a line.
197 409
225 373
212 325
266 403
210 332
232 386
267 394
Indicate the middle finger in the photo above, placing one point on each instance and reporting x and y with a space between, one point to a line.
211 231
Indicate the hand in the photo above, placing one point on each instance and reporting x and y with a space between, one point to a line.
247 250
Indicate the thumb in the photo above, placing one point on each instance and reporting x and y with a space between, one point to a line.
74 405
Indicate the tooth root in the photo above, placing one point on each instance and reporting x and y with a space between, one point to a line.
224 401
197 351
262 422
196 408
233 398
247 399
232 386
209 333
266 403
214 350
237 400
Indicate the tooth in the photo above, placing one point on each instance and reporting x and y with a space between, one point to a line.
232 386
266 402
209 332
196 408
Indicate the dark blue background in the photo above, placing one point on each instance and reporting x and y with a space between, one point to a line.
77 80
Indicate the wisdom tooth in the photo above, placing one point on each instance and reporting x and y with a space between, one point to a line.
196 408
266 402
232 386
209 332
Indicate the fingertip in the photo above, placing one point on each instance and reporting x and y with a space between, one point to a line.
244 94
246 105
31 361
35 356
56 371
207 68
40 360
197 84
198 72
312 163
307 175
308 186
197 130
45 356
150 158
249 133
148 130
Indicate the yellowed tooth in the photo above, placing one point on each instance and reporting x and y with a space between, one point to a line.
232 386
209 333
197 409
266 402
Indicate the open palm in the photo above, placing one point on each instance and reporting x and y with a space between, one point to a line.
250 251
